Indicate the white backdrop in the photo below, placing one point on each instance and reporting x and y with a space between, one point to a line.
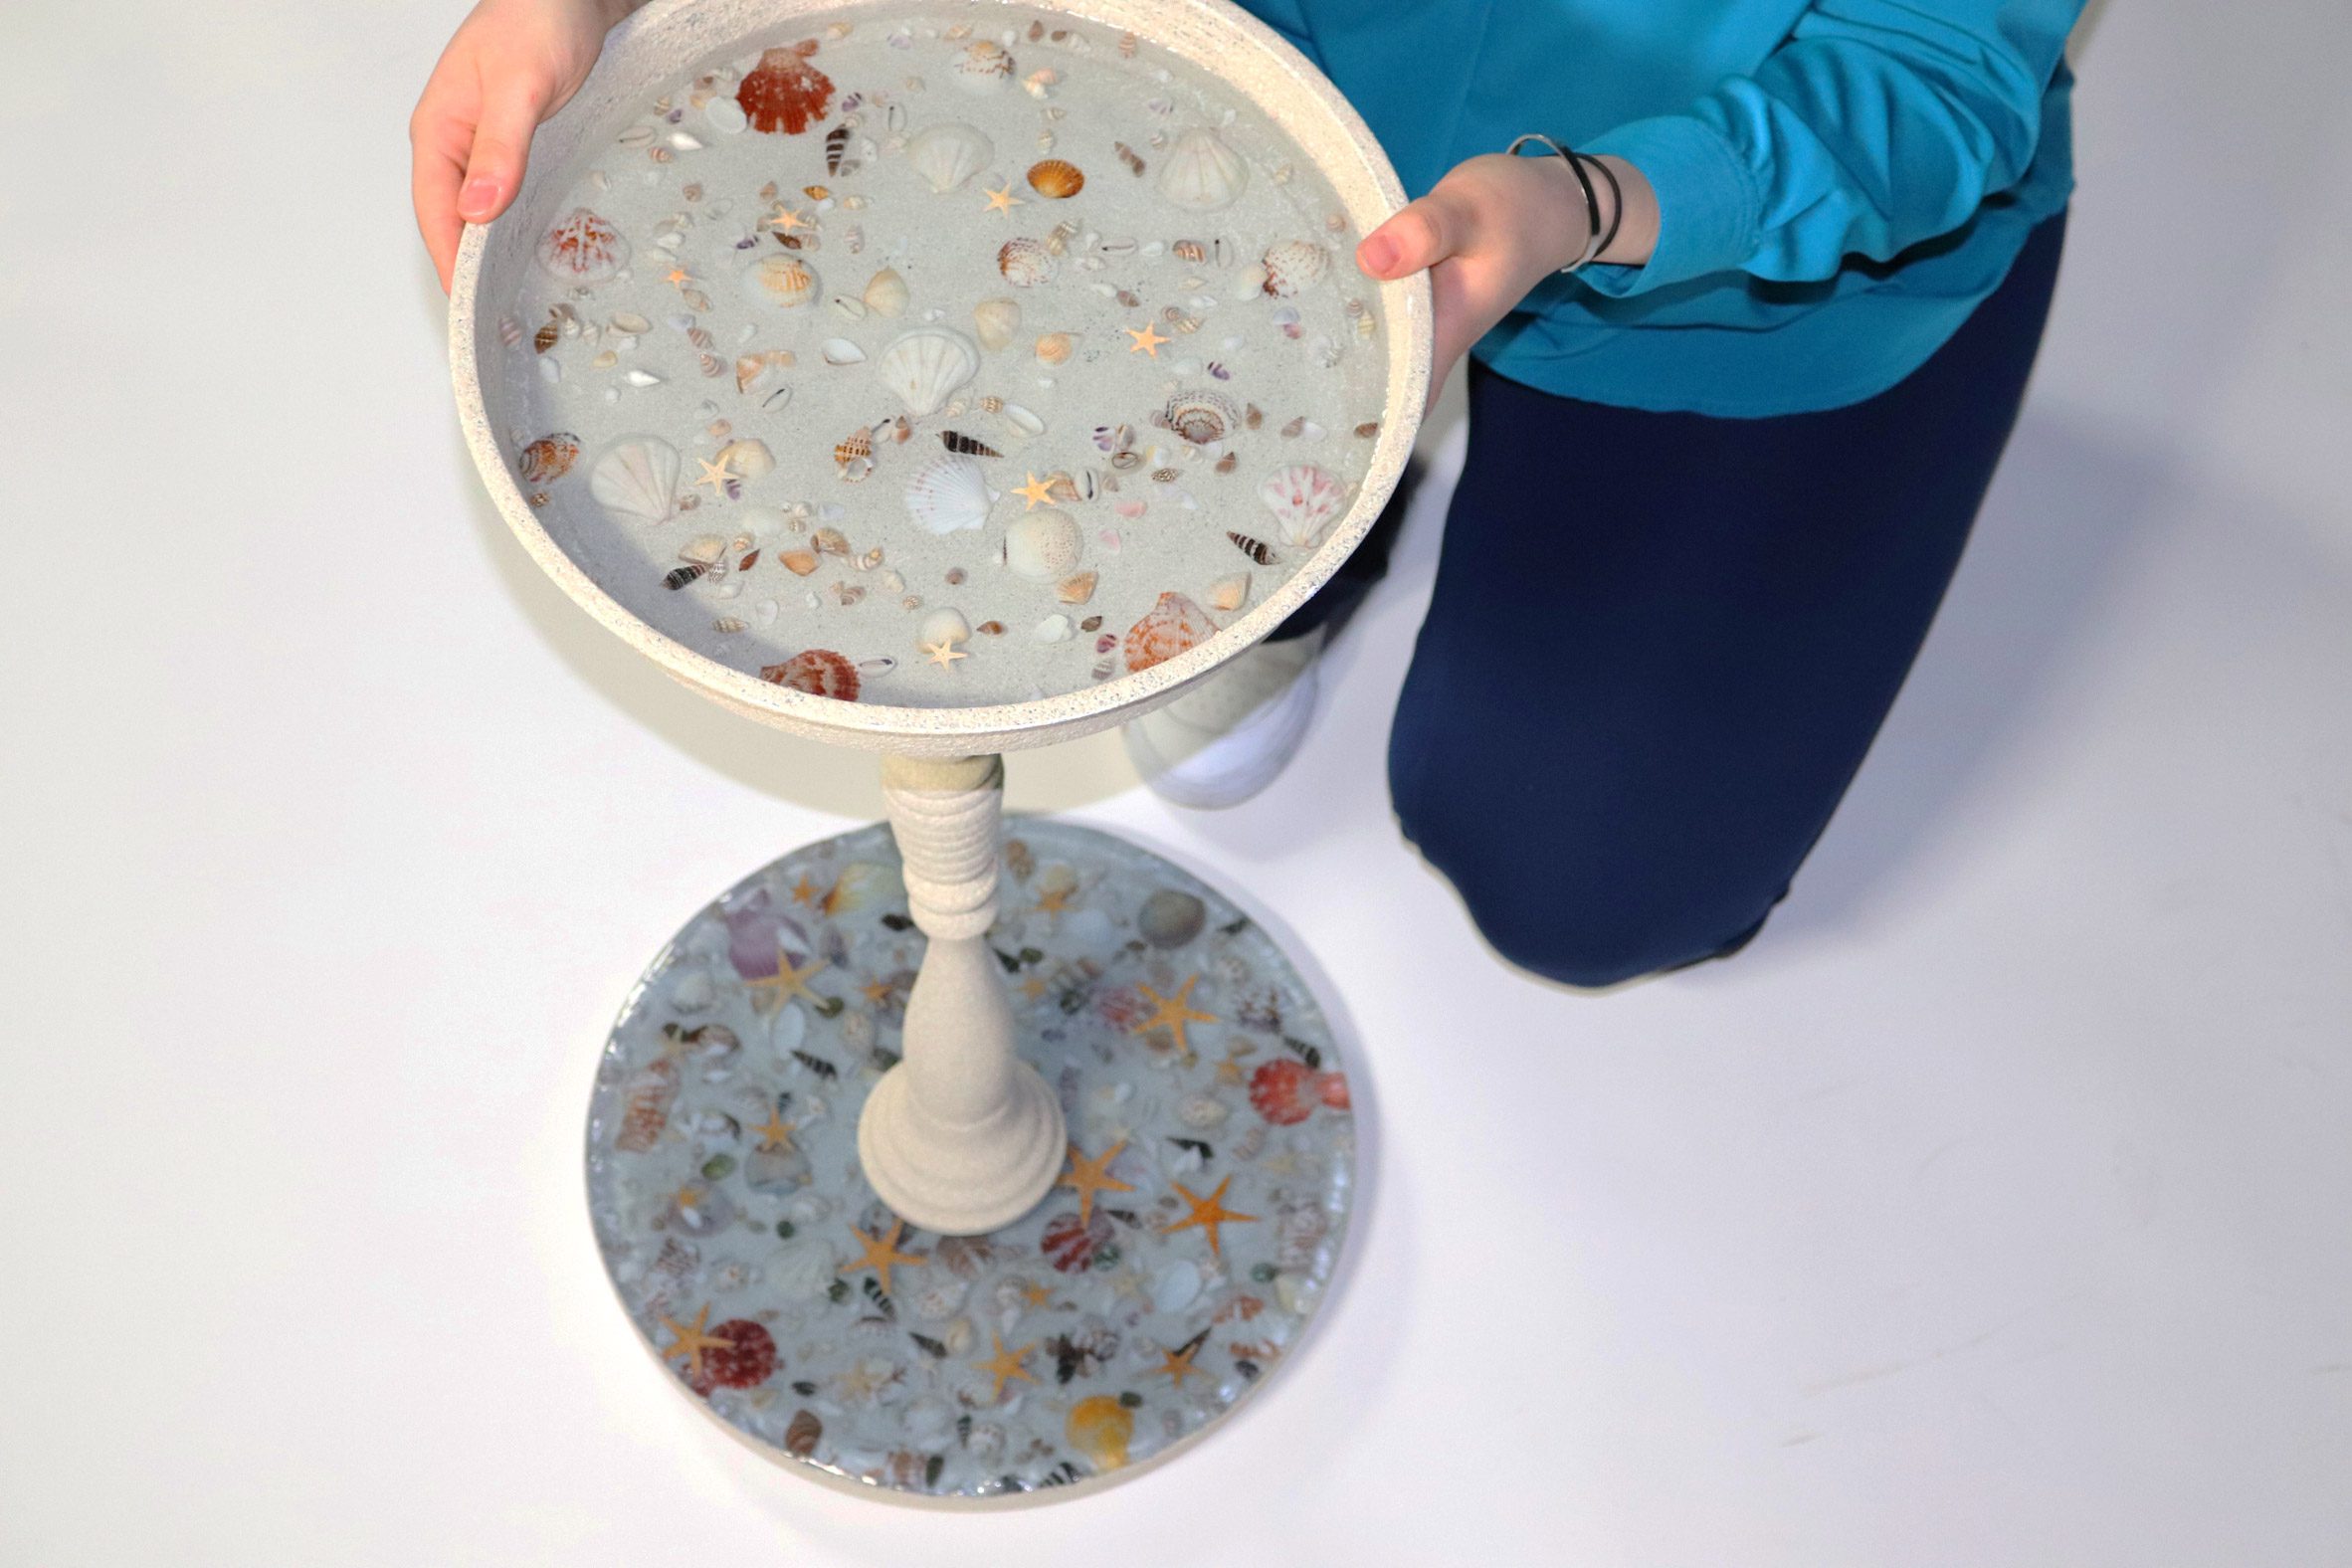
1991 1209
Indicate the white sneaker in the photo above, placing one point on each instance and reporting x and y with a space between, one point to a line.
1226 739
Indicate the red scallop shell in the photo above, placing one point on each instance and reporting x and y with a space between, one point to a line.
746 1360
1069 1244
549 458
819 672
1284 1090
1167 629
784 93
1122 1008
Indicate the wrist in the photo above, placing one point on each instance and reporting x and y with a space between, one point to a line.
1632 206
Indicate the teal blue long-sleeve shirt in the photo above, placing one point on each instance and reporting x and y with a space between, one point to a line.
1839 182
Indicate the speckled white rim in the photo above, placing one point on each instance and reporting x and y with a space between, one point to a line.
672 36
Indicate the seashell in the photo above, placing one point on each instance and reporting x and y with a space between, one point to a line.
751 369
1257 551
1305 499
1227 594
1227 463
725 116
830 541
1024 263
1022 420
846 594
629 324
641 378
925 366
705 551
799 562
985 67
780 278
885 292
637 476
847 309
948 493
1285 1090
582 249
1055 178
1201 418
1041 546
784 93
946 155
1100 1428
682 575
1055 348
819 672
750 458
969 446
1292 265
803 1434
840 352
1130 157
549 458
1171 918
854 453
805 1269
994 322
1076 589
943 626
510 332
1052 629
1201 173
1202 1111
1171 626
937 1301
1069 1244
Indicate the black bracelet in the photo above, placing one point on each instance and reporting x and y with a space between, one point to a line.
1616 199
1595 242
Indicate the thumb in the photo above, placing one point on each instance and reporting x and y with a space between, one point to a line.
1420 235
502 150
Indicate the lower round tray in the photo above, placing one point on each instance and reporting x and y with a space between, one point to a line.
1193 1232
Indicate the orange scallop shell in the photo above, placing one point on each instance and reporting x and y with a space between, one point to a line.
1055 178
1285 1091
819 672
784 93
1167 629
1100 1428
549 458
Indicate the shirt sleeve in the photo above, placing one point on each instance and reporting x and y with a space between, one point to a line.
1876 124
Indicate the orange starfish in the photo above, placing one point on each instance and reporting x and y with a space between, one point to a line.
1176 1365
1006 1365
1208 1213
1173 1012
1147 339
785 983
690 1341
882 1253
775 1134
1088 1177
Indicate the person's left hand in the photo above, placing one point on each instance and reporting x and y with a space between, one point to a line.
1493 227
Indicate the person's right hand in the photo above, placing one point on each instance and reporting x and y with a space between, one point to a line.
511 64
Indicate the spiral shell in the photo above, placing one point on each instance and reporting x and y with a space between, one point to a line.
802 1435
549 458
1024 263
1055 178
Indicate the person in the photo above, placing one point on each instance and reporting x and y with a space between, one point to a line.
1747 334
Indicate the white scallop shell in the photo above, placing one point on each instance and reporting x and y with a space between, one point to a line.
749 458
885 292
1201 173
948 493
984 68
946 155
637 476
781 279
803 1269
943 626
1041 546
1292 265
1305 499
1024 263
925 366
995 321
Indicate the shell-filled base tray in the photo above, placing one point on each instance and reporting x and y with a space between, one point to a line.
941 359
1174 1268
